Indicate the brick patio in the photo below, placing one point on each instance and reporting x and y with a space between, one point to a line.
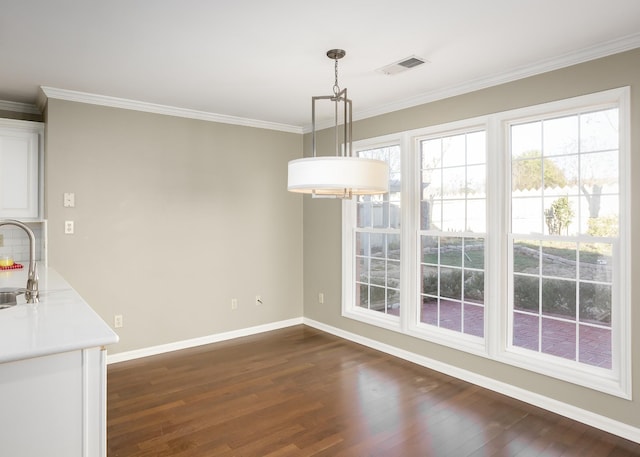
558 337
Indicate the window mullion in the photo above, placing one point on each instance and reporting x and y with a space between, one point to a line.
409 296
496 313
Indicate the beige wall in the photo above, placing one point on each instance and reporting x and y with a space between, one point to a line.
174 217
322 219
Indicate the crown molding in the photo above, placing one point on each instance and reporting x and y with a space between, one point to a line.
543 66
115 102
16 107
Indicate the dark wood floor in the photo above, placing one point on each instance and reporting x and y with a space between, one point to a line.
301 392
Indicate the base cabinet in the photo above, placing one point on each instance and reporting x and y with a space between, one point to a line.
54 405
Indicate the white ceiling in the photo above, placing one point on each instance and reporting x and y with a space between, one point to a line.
264 59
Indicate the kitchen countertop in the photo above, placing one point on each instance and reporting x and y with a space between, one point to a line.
62 321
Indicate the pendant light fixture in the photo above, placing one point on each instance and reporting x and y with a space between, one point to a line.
342 175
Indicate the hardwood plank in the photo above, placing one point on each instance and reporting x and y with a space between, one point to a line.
301 392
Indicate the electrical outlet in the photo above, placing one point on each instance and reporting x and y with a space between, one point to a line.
68 227
258 300
117 321
234 303
321 298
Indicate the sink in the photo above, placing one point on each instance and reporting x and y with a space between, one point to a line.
8 297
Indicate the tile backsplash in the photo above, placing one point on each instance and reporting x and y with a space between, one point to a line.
15 242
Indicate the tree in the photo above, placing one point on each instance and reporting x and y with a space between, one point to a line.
559 216
593 198
526 172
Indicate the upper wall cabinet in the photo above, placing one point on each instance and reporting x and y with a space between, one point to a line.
21 146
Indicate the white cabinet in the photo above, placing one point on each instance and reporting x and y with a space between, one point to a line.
20 153
54 405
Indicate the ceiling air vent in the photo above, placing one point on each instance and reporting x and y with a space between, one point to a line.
402 65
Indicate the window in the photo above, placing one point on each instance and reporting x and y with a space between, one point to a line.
452 231
377 241
564 230
511 241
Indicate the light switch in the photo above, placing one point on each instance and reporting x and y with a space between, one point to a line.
69 200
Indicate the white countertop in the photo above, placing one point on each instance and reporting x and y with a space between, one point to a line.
61 322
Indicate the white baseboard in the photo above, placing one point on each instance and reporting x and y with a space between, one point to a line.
586 417
169 347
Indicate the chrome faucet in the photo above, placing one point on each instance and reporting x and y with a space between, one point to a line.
31 292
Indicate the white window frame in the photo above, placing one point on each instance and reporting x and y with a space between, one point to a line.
616 381
349 214
451 338
496 344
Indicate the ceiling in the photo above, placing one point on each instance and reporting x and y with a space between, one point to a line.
263 60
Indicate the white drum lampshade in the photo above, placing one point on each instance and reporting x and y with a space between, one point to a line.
339 175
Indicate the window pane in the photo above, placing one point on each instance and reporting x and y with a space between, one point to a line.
429 280
454 182
474 286
453 151
559 338
362 269
473 320
476 216
560 215
526 331
526 257
431 153
476 147
595 303
561 136
378 272
526 293
559 298
393 302
451 315
364 213
599 173
596 262
453 216
526 174
362 295
362 243
451 251
394 215
527 215
378 245
607 223
451 283
377 298
393 246
429 311
430 249
595 346
526 138
599 130
393 274
560 174
476 179
474 253
380 214
559 259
